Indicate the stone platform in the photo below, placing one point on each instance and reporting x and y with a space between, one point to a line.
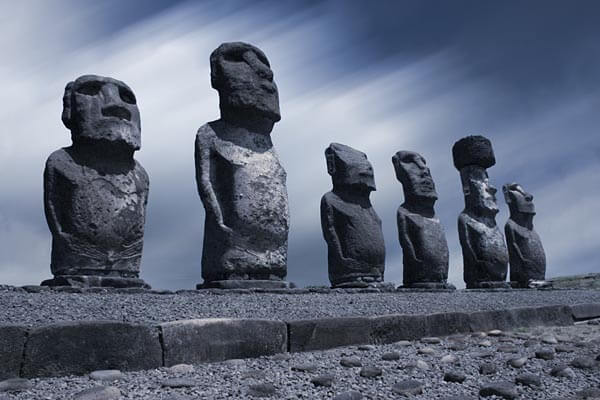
49 332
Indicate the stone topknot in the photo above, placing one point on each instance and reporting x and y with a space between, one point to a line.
473 150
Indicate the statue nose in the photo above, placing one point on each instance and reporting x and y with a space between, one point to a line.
528 197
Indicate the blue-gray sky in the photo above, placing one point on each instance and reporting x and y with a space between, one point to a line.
380 76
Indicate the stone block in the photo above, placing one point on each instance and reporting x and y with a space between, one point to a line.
84 346
209 340
325 333
12 340
393 328
581 312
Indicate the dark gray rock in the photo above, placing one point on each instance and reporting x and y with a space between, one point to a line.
408 387
15 385
424 247
501 389
350 362
12 341
240 179
95 192
82 347
545 354
325 333
98 393
350 395
391 356
324 380
588 393
178 383
528 379
208 340
488 369
485 255
562 371
307 367
584 363
585 311
370 371
351 227
262 390
454 376
526 254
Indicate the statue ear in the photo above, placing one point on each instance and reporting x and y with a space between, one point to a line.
330 158
66 113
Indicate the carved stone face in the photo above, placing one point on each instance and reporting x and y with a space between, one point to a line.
242 75
482 194
100 108
349 167
413 173
517 198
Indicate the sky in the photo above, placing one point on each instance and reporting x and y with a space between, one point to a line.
390 76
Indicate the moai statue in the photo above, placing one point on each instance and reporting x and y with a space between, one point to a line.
240 179
485 256
526 254
351 227
95 192
422 237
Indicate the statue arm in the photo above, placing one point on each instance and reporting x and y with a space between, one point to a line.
407 246
328 226
50 177
465 239
511 239
205 188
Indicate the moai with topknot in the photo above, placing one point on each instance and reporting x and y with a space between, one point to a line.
485 256
95 192
525 250
421 235
240 180
351 227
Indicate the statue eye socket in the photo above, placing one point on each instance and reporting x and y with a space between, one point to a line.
127 95
89 88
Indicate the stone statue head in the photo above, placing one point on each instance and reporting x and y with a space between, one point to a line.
480 195
242 75
518 199
412 171
349 167
97 108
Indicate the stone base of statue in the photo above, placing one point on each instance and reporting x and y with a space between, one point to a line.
360 284
429 286
245 284
489 285
84 281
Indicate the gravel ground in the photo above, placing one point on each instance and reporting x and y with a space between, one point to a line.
32 309
480 358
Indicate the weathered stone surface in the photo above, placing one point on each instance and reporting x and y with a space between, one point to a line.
520 317
424 247
505 390
526 254
82 347
206 340
582 312
15 385
240 179
12 340
528 379
485 255
408 387
95 192
98 393
325 333
350 395
351 227
454 376
262 390
323 380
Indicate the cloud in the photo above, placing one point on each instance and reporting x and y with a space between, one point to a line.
331 89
